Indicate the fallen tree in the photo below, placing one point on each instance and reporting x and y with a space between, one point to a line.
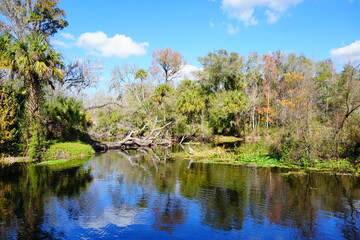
143 137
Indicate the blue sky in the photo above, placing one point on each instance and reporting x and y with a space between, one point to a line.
127 31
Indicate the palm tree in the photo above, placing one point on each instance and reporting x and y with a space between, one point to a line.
34 62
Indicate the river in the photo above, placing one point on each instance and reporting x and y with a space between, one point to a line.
146 195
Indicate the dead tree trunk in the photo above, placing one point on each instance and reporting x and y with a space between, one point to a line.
148 140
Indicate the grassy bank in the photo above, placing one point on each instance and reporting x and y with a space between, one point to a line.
258 154
68 151
56 153
57 165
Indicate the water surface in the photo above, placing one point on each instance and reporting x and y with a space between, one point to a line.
143 195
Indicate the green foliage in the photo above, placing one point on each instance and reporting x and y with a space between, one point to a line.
191 101
291 150
37 140
68 150
161 93
349 140
141 74
8 107
34 62
11 121
21 18
255 153
59 165
255 149
181 126
222 71
47 18
224 112
339 166
66 115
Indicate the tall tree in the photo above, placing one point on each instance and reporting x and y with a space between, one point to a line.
191 101
270 77
348 95
24 17
142 75
123 78
170 61
222 71
35 63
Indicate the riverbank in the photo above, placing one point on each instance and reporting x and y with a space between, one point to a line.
256 154
56 152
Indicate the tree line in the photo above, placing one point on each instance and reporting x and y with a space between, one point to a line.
303 110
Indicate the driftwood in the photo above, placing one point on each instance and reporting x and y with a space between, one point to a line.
132 142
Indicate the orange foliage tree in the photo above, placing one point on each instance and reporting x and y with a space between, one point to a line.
170 61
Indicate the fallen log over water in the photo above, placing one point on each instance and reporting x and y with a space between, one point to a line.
131 142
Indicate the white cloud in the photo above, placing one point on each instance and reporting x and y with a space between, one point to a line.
68 36
350 53
188 72
119 46
243 10
272 17
231 29
211 24
58 43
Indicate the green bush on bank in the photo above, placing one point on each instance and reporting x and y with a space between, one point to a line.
68 150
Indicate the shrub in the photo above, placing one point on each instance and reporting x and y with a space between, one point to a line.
64 116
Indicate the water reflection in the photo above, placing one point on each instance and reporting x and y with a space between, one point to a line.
145 194
23 193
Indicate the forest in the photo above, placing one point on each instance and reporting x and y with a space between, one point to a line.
297 109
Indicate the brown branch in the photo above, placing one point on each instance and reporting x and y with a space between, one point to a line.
103 105
157 129
344 119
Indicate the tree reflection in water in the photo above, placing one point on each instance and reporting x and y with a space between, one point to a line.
137 194
23 193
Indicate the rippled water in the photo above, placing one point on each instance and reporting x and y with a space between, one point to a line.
143 195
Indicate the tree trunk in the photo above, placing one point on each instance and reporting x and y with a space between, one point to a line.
36 129
237 124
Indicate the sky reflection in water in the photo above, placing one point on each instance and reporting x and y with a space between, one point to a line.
138 195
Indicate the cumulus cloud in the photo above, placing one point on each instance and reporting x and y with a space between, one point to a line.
243 10
350 53
119 46
188 72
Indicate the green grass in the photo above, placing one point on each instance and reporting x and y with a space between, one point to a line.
58 165
225 139
68 150
257 154
339 166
